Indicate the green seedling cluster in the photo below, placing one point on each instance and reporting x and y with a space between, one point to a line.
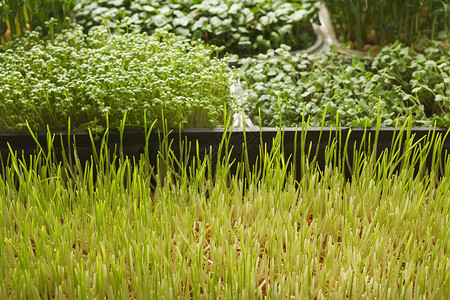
117 228
375 22
399 81
84 77
243 27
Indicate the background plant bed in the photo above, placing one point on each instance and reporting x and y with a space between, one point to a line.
296 144
362 24
244 27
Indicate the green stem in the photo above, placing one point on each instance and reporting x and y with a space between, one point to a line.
379 24
12 23
356 11
403 15
21 19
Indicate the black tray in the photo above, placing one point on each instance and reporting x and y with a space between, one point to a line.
207 140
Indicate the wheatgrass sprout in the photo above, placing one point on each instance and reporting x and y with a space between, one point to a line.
97 232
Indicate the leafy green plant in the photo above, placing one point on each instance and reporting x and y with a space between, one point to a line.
86 77
243 27
383 22
18 16
105 232
399 82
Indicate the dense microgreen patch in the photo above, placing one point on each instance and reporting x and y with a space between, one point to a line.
103 231
374 22
243 27
398 82
86 77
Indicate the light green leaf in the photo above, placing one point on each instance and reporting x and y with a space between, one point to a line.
298 15
148 8
182 21
416 89
183 31
159 20
216 22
